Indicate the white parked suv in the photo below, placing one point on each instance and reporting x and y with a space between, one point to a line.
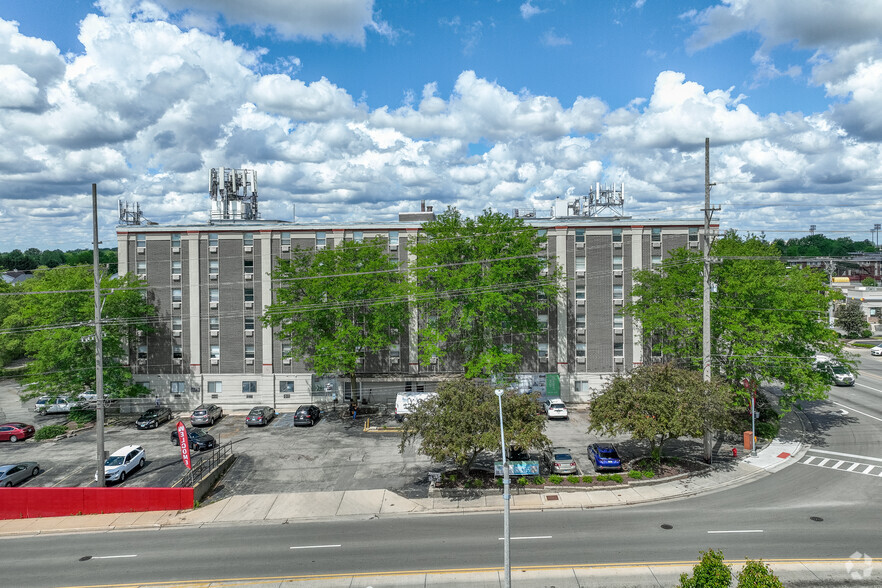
123 462
49 405
877 350
556 409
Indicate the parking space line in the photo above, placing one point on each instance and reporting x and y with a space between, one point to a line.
314 546
113 556
526 538
75 471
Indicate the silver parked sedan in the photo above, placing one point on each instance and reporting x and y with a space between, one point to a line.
12 474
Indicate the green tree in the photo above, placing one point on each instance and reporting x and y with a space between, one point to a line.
767 320
480 289
710 572
462 420
10 325
850 318
58 335
869 282
756 574
335 304
658 403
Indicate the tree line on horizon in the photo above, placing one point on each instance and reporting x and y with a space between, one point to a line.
33 258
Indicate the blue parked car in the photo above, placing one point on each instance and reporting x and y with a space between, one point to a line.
604 456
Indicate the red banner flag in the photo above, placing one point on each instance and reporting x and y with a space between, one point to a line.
184 442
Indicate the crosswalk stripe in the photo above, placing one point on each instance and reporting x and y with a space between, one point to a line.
852 466
867 470
831 464
824 462
837 464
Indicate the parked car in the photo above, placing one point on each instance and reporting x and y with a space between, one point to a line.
260 416
604 456
53 405
12 474
199 439
556 409
88 396
123 462
206 414
308 414
16 432
877 350
154 417
561 461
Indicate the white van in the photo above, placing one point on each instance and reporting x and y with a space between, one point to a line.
405 401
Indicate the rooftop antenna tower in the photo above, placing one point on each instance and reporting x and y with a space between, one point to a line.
233 194
128 216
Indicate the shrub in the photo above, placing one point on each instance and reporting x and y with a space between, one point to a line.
500 482
50 432
617 478
648 474
538 481
710 572
635 474
603 478
81 416
573 479
452 478
866 333
522 481
756 574
587 479
555 479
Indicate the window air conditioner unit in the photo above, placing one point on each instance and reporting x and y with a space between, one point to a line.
580 245
249 249
249 276
580 301
176 277
543 272
176 360
693 244
543 357
142 250
176 249
142 362
212 248
176 333
618 301
212 304
433 360
249 304
249 361
393 359
176 304
142 276
656 243
580 273
617 273
617 245
286 361
212 276
214 360
620 359
286 248
249 332
393 247
214 332
319 247
618 330
580 359
580 330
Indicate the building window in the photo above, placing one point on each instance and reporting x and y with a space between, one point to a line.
141 240
142 351
580 292
142 268
213 323
395 350
543 351
656 260
248 239
580 235
580 350
286 349
617 262
693 234
215 387
320 240
541 232
656 234
249 323
543 321
213 295
286 387
214 352
617 235
175 239
248 266
249 352
580 264
212 239
249 294
618 349
393 238
249 387
618 321
580 321
177 323
177 295
177 388
286 238
618 292
176 268
177 352
213 267
582 387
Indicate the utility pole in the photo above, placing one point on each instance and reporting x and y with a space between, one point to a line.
706 307
99 352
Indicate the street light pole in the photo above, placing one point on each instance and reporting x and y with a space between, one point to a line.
99 353
506 497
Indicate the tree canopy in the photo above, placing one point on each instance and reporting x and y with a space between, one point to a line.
56 332
481 285
768 321
812 245
335 304
660 402
462 420
33 258
850 318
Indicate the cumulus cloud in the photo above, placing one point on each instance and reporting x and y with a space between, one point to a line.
552 39
528 10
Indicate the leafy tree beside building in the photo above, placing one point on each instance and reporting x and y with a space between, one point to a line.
850 318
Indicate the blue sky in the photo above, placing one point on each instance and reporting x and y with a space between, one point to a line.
355 109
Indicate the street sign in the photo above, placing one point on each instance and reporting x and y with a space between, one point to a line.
517 468
184 442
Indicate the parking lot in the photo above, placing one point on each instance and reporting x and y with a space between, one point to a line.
335 454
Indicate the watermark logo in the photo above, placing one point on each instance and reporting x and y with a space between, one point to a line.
860 567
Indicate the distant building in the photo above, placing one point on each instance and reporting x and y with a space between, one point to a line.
15 276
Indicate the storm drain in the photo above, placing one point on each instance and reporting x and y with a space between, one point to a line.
552 497
816 519
667 527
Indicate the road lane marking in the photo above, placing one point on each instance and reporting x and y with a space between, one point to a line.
523 538
112 556
737 531
852 466
823 461
314 546
867 469
861 457
859 412
809 459
836 465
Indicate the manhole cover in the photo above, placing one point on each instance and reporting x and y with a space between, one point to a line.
86 558
667 527
552 497
816 519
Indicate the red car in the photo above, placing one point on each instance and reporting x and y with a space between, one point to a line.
16 432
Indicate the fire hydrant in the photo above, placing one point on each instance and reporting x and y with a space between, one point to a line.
734 452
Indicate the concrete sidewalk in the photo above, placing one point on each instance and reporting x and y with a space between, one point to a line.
290 508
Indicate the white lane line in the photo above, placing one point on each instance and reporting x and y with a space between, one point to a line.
860 457
823 461
112 556
523 538
314 546
809 459
837 464
859 412
867 470
852 466
737 531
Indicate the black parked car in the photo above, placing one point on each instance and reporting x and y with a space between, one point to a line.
308 414
260 416
154 417
199 439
